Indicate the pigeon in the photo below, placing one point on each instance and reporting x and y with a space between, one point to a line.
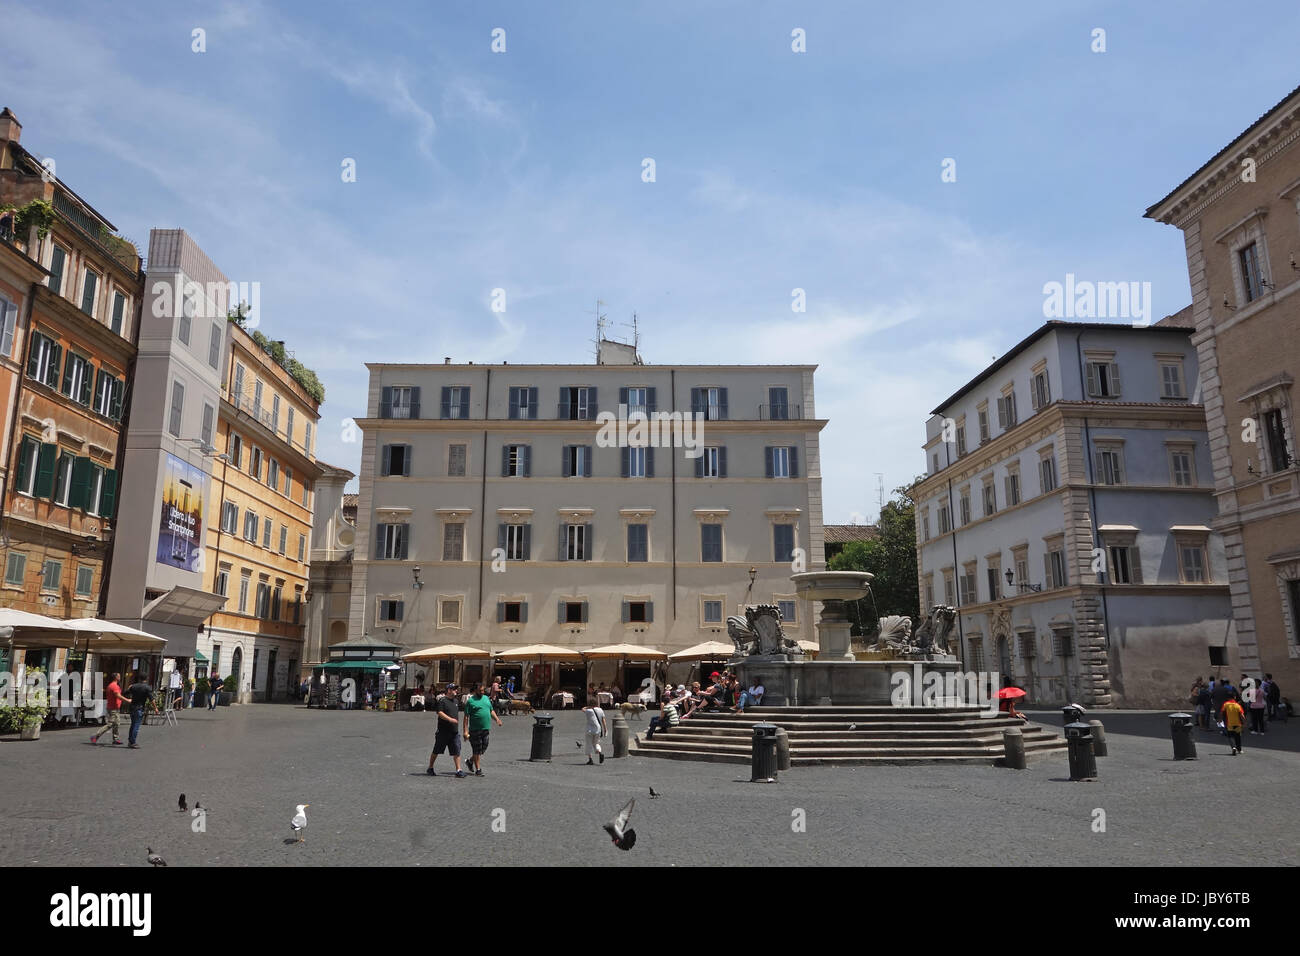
653 795
180 805
853 726
154 858
199 806
578 744
299 821
624 837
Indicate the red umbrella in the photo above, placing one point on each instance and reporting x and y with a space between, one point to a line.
1010 693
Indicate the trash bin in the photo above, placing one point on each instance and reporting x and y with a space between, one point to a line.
1083 763
1180 727
620 734
763 760
542 734
1072 713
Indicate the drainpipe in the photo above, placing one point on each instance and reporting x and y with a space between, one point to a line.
1092 491
672 397
952 520
482 521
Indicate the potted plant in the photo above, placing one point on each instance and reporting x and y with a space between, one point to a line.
230 687
201 692
32 713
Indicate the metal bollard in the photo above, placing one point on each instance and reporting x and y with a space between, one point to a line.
763 758
1098 738
1180 727
1083 763
620 733
1013 748
782 749
542 734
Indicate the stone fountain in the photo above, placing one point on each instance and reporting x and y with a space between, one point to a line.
837 677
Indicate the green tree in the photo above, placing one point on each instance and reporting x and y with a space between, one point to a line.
891 557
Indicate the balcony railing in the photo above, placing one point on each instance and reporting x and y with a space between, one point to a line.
395 410
782 412
566 411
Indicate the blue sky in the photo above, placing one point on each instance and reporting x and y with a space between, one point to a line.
774 170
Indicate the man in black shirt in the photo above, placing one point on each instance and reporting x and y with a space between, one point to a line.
447 736
141 695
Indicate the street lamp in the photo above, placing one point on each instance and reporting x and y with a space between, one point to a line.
1023 586
415 575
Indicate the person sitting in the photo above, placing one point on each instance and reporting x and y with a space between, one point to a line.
711 697
692 701
754 695
667 719
616 693
1008 707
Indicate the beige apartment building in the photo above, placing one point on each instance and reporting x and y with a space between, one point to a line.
1240 218
499 507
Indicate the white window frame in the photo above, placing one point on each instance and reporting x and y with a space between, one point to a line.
1176 450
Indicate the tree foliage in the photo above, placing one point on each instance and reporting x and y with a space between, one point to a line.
891 557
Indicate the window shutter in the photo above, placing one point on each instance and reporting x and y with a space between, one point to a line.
99 383
501 536
1047 570
794 461
45 462
1002 413
624 454
385 460
1114 379
445 409
563 542
622 395
722 404
627 616
514 402
560 611
699 465
56 358
1047 387
86 386
1092 379
523 612
649 462
1098 469
67 378
722 461
528 542
767 454
697 401
8 326
115 403
584 612
386 402
24 459
527 452
379 537
586 461
505 461
406 461
501 612
415 402
34 355
649 611
405 540
651 405
82 470
108 496
464 403
588 542
566 401
592 407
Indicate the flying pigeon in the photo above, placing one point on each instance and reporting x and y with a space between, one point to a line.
624 837
653 795
299 821
180 804
154 858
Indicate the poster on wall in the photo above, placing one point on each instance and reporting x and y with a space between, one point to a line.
180 526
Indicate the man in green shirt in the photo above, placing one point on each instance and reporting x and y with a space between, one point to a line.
479 715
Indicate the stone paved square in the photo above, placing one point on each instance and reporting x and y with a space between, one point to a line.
63 802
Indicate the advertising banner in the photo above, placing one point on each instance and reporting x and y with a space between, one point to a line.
180 525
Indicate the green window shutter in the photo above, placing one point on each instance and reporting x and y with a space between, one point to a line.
34 354
119 305
108 496
24 460
82 471
86 386
56 359
67 377
100 375
115 401
45 470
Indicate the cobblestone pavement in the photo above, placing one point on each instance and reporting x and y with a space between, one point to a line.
65 802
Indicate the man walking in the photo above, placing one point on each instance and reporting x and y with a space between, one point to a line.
479 714
447 736
176 690
1273 696
113 710
214 691
595 728
1234 718
141 695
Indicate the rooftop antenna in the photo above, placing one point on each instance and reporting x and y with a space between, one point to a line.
601 324
880 495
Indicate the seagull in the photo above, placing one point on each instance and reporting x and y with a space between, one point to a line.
624 837
154 858
180 805
653 795
299 821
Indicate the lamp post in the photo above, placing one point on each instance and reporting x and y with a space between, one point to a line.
1023 585
753 573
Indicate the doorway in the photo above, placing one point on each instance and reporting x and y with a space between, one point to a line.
270 675
1004 660
236 665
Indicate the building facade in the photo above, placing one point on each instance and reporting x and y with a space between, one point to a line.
70 290
158 581
1240 218
1066 513
499 507
258 546
329 588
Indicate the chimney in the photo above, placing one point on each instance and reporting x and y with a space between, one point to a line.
10 129
446 360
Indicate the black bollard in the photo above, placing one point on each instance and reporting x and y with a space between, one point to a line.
1098 738
1013 748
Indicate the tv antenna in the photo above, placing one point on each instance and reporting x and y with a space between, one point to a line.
880 495
602 323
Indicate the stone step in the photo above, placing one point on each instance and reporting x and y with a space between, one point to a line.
733 745
861 726
845 760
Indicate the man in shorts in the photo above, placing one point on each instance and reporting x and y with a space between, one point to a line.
447 736
113 704
479 715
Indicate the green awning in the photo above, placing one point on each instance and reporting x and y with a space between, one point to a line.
358 665
200 658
